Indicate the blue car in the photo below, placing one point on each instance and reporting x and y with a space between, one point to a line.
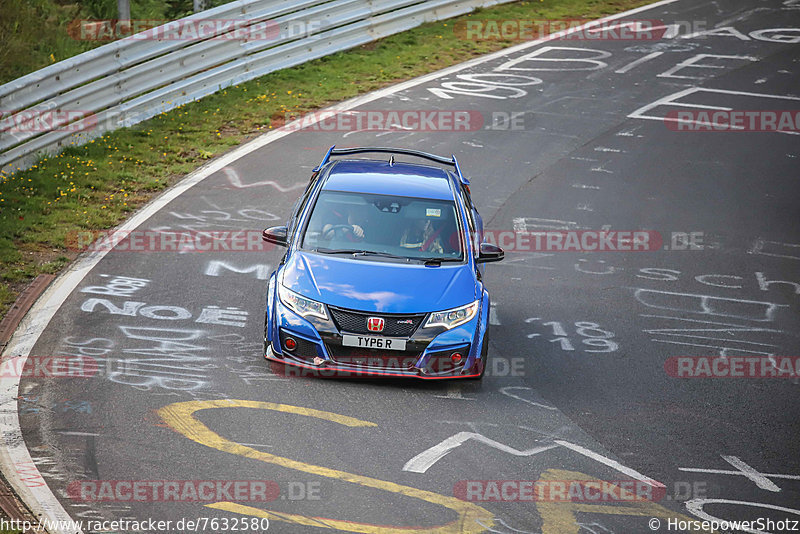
383 271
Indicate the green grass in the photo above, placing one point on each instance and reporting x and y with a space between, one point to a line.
98 185
34 32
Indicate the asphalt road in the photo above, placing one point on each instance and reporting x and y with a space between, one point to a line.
576 388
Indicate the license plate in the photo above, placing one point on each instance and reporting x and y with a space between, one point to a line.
373 342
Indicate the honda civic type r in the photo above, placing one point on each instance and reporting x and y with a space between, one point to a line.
383 271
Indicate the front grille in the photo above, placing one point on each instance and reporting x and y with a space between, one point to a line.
374 359
394 325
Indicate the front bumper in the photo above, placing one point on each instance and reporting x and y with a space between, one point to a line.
332 369
319 351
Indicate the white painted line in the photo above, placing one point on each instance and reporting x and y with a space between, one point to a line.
723 351
584 186
758 248
610 463
453 392
424 460
737 473
505 391
499 521
720 339
692 63
695 507
519 224
705 304
672 100
638 62
601 169
40 499
736 327
757 478
493 319
235 181
526 224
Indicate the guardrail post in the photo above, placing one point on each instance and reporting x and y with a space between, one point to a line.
124 9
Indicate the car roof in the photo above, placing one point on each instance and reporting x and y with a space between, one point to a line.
379 177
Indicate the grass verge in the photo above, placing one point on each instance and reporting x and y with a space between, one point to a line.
98 185
34 32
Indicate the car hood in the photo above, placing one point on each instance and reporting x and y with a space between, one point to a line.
379 286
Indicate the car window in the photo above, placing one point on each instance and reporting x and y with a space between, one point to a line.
407 227
299 206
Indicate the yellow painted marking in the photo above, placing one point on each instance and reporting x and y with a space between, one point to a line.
180 417
560 517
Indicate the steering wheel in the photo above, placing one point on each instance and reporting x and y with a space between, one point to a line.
343 228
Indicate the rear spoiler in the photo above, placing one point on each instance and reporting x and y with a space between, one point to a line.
333 151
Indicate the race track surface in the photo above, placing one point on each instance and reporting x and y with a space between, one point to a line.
576 386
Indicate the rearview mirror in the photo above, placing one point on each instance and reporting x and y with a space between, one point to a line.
489 253
275 235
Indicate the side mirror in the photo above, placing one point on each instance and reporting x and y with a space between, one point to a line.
275 235
490 253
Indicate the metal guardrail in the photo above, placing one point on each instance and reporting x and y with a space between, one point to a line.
136 78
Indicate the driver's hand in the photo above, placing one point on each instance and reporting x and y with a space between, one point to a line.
358 231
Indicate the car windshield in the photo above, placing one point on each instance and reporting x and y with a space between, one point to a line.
384 226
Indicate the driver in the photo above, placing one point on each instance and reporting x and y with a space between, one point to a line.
345 219
422 235
429 235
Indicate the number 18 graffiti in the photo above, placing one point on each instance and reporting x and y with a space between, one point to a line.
592 334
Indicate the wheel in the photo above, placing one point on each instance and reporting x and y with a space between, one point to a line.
343 229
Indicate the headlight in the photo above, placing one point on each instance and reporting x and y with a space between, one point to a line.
301 305
453 317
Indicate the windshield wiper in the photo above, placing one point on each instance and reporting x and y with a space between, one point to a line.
355 252
438 261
